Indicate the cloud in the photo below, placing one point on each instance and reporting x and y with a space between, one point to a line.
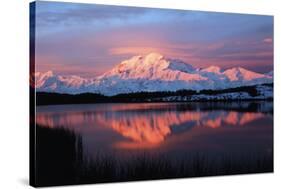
133 50
98 36
62 66
56 13
268 40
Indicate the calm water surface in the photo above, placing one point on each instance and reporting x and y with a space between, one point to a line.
173 129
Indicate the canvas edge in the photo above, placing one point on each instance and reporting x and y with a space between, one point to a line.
32 158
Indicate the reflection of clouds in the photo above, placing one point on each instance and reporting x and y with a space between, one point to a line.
145 125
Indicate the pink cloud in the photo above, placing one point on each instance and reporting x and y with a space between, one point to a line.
268 40
60 66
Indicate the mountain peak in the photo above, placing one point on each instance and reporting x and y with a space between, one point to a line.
137 64
236 70
44 74
49 73
239 73
154 56
213 69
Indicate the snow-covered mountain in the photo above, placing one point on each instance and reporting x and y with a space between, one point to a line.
152 72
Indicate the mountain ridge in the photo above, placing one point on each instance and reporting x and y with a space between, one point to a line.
151 73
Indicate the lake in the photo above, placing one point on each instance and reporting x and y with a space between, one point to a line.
239 133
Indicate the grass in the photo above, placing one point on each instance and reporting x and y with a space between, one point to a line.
145 167
58 156
60 161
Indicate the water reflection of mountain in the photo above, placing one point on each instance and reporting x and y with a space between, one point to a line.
152 123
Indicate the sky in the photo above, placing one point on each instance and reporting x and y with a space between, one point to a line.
89 39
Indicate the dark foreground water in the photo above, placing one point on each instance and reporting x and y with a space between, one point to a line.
119 142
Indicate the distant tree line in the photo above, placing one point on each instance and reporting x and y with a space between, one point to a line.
46 98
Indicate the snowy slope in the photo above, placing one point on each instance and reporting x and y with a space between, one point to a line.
264 92
152 72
